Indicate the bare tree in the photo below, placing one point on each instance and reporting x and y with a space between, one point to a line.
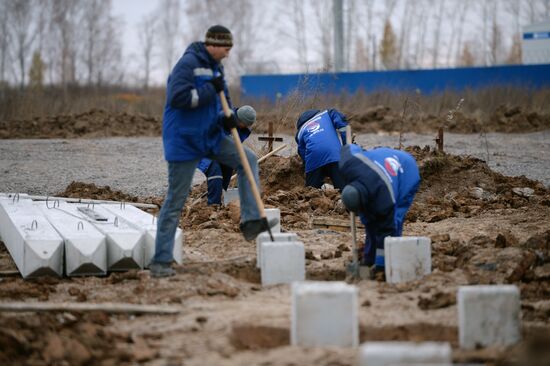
4 39
22 26
169 31
462 18
109 55
437 33
453 16
369 5
64 38
293 28
388 47
324 22
495 43
406 23
94 14
147 32
424 15
350 34
466 57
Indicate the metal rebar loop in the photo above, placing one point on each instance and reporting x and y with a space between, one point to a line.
116 221
14 198
34 225
122 205
80 226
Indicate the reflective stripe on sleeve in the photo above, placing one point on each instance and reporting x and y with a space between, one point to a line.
194 98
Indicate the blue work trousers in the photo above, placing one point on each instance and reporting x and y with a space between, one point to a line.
180 176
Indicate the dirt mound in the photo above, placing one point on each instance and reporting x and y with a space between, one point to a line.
66 339
503 119
100 123
455 186
91 191
452 186
92 124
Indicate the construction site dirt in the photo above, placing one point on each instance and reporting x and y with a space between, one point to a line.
485 227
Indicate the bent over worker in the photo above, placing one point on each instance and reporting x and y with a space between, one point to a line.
218 176
319 146
191 131
380 186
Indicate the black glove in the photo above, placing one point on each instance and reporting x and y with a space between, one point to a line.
217 82
229 122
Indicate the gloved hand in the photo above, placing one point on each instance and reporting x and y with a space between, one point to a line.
217 82
229 122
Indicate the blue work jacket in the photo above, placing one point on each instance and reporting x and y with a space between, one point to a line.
191 127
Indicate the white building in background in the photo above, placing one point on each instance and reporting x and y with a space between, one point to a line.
535 45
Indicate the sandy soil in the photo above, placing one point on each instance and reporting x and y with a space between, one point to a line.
486 229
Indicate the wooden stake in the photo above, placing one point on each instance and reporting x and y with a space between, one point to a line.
114 308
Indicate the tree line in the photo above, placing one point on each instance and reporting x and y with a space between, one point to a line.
79 42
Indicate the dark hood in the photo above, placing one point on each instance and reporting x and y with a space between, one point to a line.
306 116
199 50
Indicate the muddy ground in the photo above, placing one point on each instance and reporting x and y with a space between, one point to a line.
486 228
100 123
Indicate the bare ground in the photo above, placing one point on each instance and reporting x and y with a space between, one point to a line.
484 231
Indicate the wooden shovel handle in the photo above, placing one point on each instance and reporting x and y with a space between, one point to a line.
244 160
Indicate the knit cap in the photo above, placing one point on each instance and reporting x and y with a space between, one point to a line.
247 115
218 35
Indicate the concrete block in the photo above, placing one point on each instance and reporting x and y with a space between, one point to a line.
277 237
232 194
405 353
34 245
274 213
85 246
324 314
146 223
407 258
282 262
125 244
488 315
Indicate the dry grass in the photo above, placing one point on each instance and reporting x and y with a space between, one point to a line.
20 105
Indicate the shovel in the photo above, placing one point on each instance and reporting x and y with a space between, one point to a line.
246 166
353 267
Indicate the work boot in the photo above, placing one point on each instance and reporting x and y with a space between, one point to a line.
161 270
252 228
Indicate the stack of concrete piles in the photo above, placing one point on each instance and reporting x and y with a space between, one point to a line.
56 237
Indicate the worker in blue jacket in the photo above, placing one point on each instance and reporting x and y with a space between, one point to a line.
192 130
380 186
218 176
319 145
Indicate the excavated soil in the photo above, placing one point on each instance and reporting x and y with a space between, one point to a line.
485 228
100 123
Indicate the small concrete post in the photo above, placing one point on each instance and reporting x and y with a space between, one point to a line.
324 314
277 237
405 353
488 315
274 213
407 258
282 262
232 194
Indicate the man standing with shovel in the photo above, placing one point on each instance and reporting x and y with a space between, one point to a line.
192 130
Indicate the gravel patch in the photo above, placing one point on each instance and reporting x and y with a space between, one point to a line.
136 165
